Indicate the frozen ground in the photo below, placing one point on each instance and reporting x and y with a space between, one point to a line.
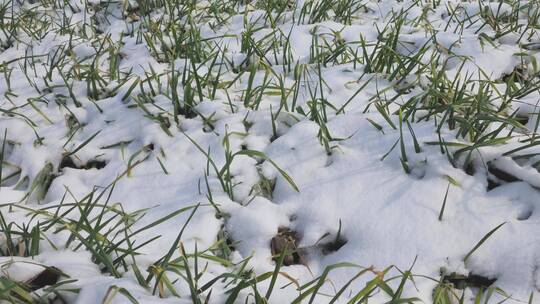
163 151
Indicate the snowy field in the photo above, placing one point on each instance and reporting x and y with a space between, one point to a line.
269 151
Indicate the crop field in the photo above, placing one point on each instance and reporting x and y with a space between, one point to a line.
269 151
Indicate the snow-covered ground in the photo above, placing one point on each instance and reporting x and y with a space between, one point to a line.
160 151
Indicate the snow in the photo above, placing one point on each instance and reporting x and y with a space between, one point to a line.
386 216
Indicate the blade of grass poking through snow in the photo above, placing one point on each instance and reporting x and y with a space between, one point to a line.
444 202
163 262
210 161
83 144
2 151
131 88
234 292
452 180
190 278
405 276
253 153
38 110
14 292
319 282
98 253
370 287
162 166
6 229
163 219
346 285
403 158
113 291
151 225
342 109
382 111
275 273
417 148
468 255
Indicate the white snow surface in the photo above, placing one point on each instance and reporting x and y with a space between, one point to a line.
387 217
